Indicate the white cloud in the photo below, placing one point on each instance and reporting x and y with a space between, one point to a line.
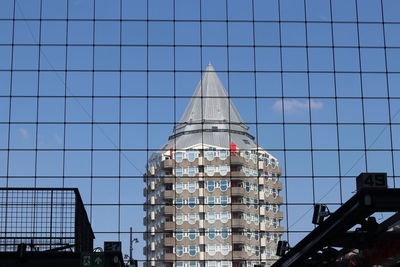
296 105
24 133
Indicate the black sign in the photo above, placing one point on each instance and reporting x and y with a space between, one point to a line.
371 180
112 246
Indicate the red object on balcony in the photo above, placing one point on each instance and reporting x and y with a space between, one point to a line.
233 149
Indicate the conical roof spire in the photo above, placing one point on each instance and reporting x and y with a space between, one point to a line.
211 103
210 118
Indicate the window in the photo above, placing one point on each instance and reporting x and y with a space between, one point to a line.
246 141
248 202
211 233
210 170
192 264
211 217
275 208
223 169
273 163
192 187
179 250
178 203
179 171
223 185
246 155
212 250
179 234
247 186
224 233
179 264
225 249
192 202
211 201
246 170
274 193
179 218
178 156
224 217
225 264
224 201
210 153
179 187
192 234
192 250
223 154
191 155
192 218
212 263
210 186
192 171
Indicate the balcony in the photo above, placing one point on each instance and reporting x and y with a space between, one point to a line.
240 239
168 179
169 257
169 241
239 207
242 255
169 210
169 194
236 160
237 175
168 164
240 223
169 226
238 191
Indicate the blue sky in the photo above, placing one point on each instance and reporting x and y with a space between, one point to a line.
329 96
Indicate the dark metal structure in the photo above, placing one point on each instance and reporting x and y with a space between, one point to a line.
44 220
317 248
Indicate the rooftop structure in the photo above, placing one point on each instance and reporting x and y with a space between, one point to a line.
212 193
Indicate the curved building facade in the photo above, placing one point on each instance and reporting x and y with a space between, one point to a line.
212 193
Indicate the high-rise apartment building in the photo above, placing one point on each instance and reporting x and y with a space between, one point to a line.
212 193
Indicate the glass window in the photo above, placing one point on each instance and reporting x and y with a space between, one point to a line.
212 250
179 250
212 263
223 185
210 186
275 208
247 186
224 233
192 264
179 234
211 201
178 156
248 202
225 249
210 170
191 155
192 202
210 154
179 203
225 264
192 218
179 171
211 217
179 264
246 170
223 154
192 234
192 250
179 218
211 233
223 169
224 217
192 187
192 171
224 201
247 155
179 187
